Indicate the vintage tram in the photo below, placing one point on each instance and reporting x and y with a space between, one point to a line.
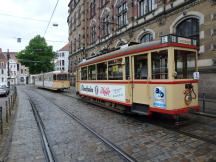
55 80
159 76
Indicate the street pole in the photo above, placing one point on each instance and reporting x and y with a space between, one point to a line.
8 68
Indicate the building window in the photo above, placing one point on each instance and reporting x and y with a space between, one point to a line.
122 14
105 25
189 28
79 15
93 9
75 20
146 6
79 42
63 63
93 34
74 44
146 38
21 79
2 71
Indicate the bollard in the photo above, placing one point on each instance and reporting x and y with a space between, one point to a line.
203 101
6 111
9 104
8 108
1 120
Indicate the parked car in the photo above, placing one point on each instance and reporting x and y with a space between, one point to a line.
4 90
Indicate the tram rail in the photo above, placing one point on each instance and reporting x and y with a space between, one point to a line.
111 145
165 126
173 128
44 139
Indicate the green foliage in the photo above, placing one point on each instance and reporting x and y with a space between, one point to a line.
38 56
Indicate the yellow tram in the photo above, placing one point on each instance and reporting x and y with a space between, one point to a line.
55 80
159 76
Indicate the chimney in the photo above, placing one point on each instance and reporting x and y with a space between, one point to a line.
0 50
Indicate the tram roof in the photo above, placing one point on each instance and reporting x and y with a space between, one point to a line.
133 49
120 52
53 72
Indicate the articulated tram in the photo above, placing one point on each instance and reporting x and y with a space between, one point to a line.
160 76
55 80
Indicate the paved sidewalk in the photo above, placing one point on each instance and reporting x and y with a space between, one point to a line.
26 143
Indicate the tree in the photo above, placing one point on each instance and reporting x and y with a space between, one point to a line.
38 56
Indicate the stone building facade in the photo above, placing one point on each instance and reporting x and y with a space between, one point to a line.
106 24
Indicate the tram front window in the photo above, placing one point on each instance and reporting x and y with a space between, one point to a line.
185 64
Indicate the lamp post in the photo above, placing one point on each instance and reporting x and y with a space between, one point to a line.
8 68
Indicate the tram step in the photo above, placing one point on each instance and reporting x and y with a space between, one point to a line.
140 109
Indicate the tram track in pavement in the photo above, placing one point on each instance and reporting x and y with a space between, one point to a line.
48 153
174 128
167 126
108 143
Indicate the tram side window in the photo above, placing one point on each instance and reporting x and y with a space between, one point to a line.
115 69
92 72
102 71
62 76
54 76
40 78
159 65
141 66
127 68
185 64
84 73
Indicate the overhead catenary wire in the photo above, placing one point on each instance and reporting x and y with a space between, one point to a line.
21 17
51 18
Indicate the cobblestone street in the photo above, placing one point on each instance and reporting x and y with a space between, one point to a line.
71 142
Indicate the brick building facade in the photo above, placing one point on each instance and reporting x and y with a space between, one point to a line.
95 25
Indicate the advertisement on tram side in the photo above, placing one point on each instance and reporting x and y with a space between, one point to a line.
112 92
160 97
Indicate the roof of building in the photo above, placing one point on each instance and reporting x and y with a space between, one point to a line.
65 48
2 56
12 56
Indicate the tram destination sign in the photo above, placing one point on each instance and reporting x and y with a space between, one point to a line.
177 39
106 91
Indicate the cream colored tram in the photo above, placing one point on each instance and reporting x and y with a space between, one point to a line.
55 80
159 76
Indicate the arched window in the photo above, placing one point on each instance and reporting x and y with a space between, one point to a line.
148 37
189 28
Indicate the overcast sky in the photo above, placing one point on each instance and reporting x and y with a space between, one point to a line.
28 18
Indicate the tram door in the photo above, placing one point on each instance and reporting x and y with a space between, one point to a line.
140 86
